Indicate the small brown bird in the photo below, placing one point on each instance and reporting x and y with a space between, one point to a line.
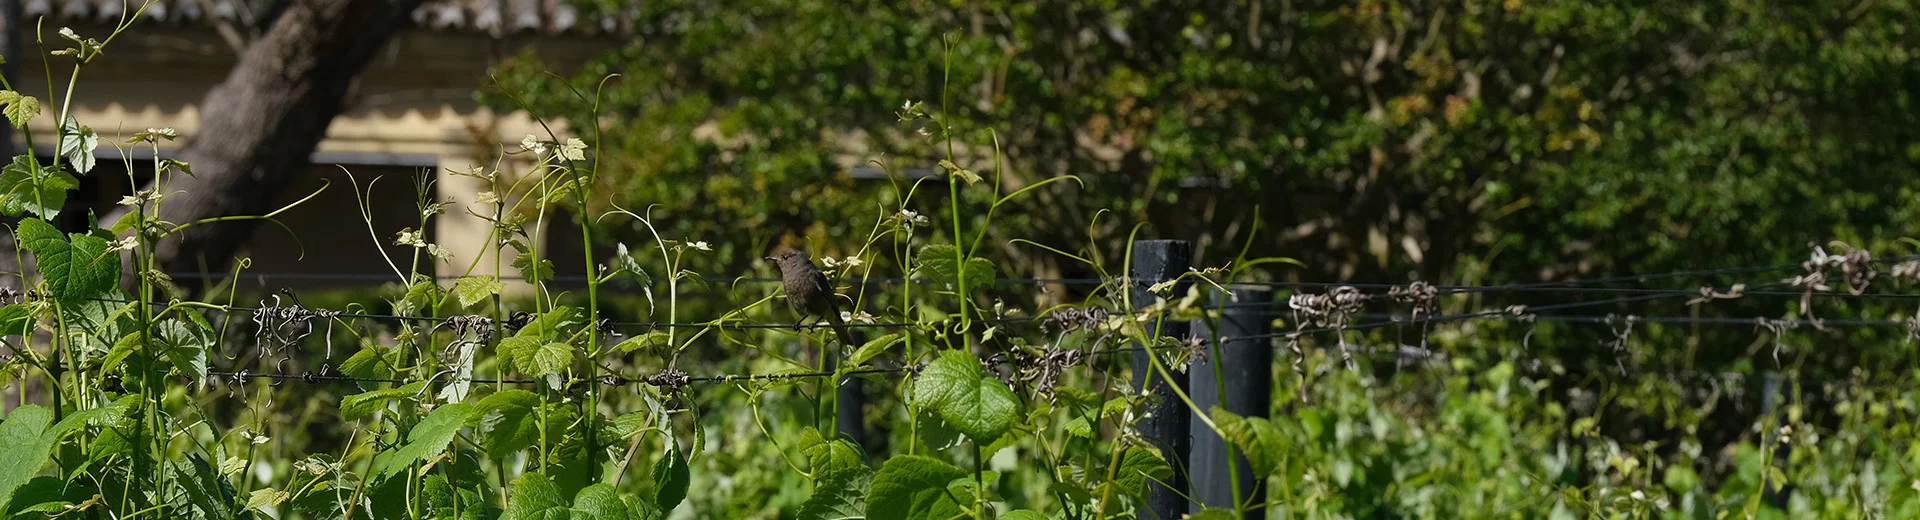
809 292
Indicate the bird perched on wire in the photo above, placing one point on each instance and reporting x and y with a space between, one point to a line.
809 292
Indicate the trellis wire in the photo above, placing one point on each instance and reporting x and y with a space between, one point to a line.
1524 313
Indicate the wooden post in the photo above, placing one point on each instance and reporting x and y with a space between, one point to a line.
1245 372
1166 423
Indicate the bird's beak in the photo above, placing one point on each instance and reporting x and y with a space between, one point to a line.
768 258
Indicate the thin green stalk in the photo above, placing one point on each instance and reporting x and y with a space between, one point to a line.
959 255
1220 389
953 190
979 480
147 268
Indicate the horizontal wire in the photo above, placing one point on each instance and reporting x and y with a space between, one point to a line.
636 324
1444 289
372 277
1457 317
1647 294
1610 319
1271 304
1402 319
312 377
616 380
612 380
1523 313
1626 290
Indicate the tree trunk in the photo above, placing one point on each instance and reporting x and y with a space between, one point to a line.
258 129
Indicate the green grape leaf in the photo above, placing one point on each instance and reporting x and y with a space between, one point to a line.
936 263
475 289
20 108
355 406
935 432
548 358
535 357
600 502
77 143
427 439
954 386
372 361
535 497
509 421
670 478
625 260
550 326
127 346
913 487
27 186
100 322
875 347
825 458
206 490
841 496
76 270
533 271
185 344
642 341
264 498
16 320
1257 437
25 434
418 298
1139 466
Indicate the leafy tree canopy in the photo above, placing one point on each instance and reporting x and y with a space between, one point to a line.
1386 140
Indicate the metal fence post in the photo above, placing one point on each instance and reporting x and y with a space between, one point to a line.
1246 375
1166 423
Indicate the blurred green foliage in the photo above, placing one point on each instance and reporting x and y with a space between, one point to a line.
1379 140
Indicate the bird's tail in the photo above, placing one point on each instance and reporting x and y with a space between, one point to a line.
840 328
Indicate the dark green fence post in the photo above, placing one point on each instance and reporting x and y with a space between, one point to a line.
1167 421
1245 374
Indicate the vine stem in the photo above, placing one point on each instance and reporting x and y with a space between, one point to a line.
979 480
146 317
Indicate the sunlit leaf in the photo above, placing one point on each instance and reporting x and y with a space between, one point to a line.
935 263
427 439
353 407
508 421
77 269
955 386
77 143
20 108
24 433
475 289
874 347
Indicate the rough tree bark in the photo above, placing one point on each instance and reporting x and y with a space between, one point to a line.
258 129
